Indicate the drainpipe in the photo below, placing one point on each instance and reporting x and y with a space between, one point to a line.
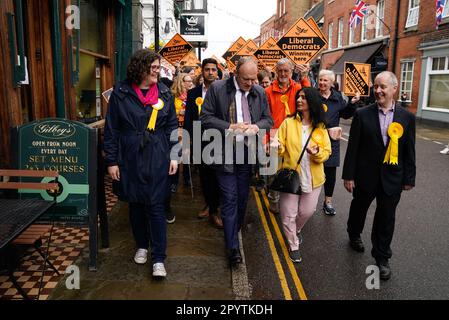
396 32
57 54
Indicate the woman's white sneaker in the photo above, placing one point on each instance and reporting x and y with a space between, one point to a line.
141 256
159 270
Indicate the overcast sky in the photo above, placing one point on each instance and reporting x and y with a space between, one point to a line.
233 18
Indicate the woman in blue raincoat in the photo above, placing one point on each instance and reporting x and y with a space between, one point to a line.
140 121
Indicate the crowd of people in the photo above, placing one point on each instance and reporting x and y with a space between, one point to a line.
278 110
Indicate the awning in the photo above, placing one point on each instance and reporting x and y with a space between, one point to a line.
357 54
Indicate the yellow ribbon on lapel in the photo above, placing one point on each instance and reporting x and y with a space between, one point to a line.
199 102
395 132
156 108
325 107
284 100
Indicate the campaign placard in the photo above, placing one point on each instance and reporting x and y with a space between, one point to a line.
236 46
176 49
269 53
302 43
356 78
247 50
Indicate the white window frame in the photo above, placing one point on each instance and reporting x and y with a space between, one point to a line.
430 72
285 10
330 29
413 13
380 17
340 33
404 81
364 29
446 9
280 7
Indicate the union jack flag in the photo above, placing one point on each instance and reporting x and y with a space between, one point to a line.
359 11
439 4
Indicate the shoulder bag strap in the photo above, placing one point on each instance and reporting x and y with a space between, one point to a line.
304 149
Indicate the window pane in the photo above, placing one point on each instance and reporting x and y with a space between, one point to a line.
438 63
439 91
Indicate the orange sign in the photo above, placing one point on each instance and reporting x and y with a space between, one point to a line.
269 53
191 60
312 23
236 46
248 50
302 43
176 49
356 78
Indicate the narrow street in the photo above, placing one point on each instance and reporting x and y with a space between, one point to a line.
330 269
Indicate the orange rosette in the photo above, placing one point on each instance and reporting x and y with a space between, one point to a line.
199 102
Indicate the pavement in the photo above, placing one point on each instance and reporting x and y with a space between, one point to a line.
197 264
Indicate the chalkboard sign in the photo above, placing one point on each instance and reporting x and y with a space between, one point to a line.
68 147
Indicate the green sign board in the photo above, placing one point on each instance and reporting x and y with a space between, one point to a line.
64 146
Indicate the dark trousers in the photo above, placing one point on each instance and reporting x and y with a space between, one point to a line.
234 192
384 220
329 184
150 228
209 186
174 179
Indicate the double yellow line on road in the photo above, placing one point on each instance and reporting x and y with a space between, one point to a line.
274 253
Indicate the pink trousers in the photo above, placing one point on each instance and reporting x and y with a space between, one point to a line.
295 211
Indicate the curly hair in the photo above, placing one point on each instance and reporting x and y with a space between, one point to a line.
140 65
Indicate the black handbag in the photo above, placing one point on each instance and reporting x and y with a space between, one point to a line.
287 180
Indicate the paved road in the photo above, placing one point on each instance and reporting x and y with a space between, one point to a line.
331 270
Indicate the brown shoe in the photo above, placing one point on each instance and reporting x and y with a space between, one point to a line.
216 221
204 213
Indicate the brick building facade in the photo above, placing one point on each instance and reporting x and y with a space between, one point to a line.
288 11
407 43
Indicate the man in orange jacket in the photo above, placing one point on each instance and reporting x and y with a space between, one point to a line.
281 100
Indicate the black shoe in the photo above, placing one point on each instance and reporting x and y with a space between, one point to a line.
295 256
235 257
329 210
357 245
384 270
174 188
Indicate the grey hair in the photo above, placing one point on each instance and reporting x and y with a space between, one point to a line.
284 61
327 73
393 78
244 60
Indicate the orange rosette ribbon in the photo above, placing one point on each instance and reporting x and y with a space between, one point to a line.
199 103
395 132
284 100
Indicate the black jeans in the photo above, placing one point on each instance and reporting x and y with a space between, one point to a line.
209 186
329 185
383 224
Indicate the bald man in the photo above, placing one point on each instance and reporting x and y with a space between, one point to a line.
231 106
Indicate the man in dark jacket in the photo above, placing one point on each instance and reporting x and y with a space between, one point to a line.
379 164
209 184
231 106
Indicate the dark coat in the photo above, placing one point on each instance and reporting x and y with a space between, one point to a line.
143 157
215 111
366 153
337 108
192 109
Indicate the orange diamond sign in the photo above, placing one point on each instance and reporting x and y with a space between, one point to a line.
176 49
302 43
269 53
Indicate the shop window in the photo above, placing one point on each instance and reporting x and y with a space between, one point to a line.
413 13
438 84
407 79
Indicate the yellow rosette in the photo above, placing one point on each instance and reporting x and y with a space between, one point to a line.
284 100
156 108
395 132
318 137
199 103
325 107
